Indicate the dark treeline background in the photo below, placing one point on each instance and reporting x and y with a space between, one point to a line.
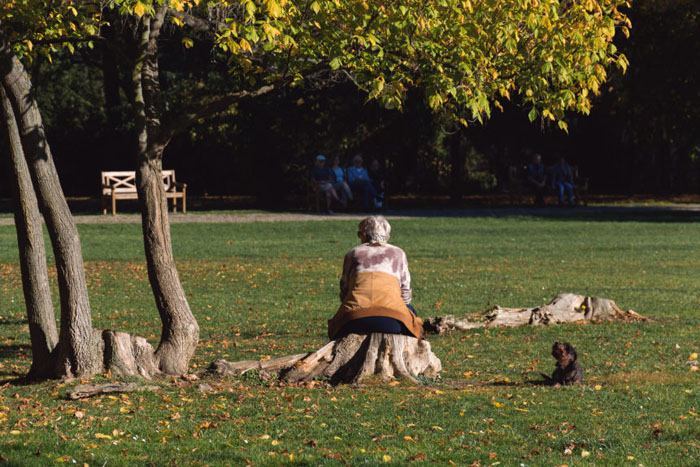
643 135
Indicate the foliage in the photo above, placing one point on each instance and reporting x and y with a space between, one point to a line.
44 27
266 289
466 56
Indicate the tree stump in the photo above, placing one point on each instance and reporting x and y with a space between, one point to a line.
564 308
353 359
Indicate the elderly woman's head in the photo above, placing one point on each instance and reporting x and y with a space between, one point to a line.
374 229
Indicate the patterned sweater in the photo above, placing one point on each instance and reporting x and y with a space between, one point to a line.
370 257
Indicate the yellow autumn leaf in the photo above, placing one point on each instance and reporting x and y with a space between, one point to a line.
245 45
386 458
394 383
275 442
693 356
585 453
102 436
265 436
15 432
408 438
598 387
139 9
497 404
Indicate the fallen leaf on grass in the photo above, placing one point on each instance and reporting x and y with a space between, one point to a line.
386 458
497 404
102 436
585 453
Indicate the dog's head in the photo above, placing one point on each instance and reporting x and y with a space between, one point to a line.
564 353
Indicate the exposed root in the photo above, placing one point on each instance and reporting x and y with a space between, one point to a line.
89 390
352 359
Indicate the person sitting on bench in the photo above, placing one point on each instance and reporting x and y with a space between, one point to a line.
359 181
322 177
375 287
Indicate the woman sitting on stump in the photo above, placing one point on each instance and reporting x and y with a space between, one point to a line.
375 288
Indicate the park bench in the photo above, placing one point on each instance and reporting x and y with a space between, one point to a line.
518 188
122 185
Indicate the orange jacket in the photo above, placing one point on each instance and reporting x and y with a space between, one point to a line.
374 293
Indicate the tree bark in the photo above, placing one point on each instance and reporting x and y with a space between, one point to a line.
76 350
32 252
180 331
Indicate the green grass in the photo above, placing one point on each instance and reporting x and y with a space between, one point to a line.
267 289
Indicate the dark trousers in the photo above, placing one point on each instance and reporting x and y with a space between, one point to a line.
539 194
365 188
379 324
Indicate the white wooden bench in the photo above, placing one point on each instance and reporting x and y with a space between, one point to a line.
122 185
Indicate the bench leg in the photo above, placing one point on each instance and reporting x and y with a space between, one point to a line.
184 203
114 206
174 204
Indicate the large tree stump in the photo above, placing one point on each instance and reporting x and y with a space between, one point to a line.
565 308
352 359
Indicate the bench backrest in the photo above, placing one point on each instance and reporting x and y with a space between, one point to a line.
125 181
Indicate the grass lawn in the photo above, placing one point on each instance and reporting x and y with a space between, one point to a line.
266 289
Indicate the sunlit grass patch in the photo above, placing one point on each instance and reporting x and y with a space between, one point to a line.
266 290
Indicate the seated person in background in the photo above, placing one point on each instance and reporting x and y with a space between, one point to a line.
537 179
322 177
563 180
339 184
375 287
358 178
376 178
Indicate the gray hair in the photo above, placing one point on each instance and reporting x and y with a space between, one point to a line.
376 229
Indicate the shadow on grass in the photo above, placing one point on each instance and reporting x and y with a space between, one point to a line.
652 214
11 321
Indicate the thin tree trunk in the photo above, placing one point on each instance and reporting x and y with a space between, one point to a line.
77 352
457 160
180 331
32 252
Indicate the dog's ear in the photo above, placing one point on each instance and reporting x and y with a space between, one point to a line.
571 351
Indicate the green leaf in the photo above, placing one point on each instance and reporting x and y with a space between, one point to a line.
533 114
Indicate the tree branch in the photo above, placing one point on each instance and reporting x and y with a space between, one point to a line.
213 107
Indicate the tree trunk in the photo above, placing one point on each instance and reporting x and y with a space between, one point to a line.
76 349
180 332
457 161
564 308
353 359
32 252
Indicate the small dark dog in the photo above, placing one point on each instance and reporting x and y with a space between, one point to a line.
568 370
